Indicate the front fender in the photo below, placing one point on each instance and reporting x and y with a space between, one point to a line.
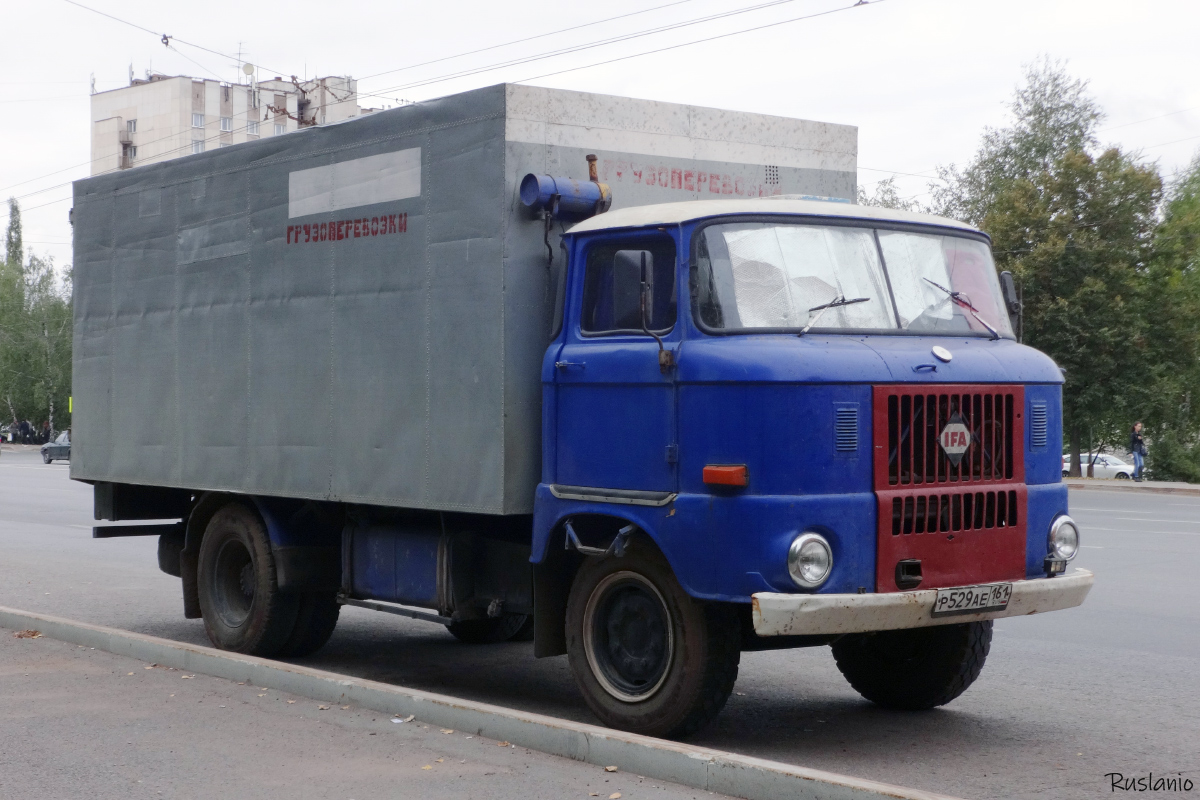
657 522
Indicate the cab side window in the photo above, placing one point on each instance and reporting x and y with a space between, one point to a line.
612 287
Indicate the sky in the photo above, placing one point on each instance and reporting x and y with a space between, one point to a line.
921 79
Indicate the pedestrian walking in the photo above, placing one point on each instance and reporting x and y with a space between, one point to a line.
1137 446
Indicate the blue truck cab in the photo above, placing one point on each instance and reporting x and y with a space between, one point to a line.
812 421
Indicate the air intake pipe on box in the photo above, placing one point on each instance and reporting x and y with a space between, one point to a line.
567 196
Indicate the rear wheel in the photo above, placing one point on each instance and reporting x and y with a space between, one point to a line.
316 617
914 669
488 631
647 657
240 601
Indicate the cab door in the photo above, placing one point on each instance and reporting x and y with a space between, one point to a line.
615 405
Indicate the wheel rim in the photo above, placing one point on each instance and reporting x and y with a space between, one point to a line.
628 636
233 582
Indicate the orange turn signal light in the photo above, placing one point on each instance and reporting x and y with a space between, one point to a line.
726 475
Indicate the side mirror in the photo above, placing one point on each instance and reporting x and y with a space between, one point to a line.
1012 302
633 288
1008 287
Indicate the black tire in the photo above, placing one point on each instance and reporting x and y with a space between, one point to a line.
488 631
525 632
243 609
914 669
46 459
1122 476
316 618
647 657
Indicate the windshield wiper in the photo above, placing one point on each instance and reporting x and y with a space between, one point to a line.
964 301
836 302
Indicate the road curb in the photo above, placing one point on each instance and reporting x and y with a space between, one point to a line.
697 767
1119 487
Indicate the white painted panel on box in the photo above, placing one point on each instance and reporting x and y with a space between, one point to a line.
358 182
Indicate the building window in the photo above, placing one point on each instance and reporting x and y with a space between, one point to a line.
252 128
131 125
197 147
197 120
131 151
226 123
280 129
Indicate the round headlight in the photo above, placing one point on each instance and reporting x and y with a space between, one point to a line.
810 560
1064 538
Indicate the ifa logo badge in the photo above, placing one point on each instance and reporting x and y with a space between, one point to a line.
955 438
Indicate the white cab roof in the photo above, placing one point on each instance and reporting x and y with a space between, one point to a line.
675 213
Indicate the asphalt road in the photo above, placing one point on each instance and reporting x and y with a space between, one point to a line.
1064 699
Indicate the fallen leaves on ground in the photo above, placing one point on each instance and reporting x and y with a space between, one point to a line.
345 707
427 766
615 796
610 769
447 730
501 744
27 635
289 701
186 677
128 673
439 760
322 708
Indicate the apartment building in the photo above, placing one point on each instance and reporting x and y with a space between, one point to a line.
162 116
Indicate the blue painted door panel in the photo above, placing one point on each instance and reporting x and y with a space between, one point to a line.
616 416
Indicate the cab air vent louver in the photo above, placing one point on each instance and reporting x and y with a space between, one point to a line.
1037 425
846 429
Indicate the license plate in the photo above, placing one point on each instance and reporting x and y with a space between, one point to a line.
972 599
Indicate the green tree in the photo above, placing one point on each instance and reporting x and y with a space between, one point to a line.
1171 303
35 333
1078 236
1075 225
12 306
885 196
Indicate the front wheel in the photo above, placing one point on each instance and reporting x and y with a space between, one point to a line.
1122 476
914 669
647 657
46 459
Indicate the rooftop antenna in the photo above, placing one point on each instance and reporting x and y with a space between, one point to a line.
131 73
93 83
239 57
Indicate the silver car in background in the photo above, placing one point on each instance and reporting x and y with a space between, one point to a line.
1106 466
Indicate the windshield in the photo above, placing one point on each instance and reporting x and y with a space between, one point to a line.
767 275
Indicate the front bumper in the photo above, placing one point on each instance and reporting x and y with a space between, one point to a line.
777 614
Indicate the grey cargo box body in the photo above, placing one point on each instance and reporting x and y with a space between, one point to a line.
223 343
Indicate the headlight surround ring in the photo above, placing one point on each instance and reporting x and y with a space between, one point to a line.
1063 538
810 560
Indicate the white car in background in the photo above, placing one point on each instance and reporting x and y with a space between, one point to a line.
1107 466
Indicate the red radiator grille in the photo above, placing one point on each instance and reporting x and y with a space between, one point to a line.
965 522
962 511
909 419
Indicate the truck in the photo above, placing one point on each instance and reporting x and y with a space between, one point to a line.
635 380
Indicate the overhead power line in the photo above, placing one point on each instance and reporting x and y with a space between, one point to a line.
526 39
589 46
706 39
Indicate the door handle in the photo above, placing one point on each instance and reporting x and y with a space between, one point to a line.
569 364
925 368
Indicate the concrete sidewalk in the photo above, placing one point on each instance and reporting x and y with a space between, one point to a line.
78 722
1110 484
